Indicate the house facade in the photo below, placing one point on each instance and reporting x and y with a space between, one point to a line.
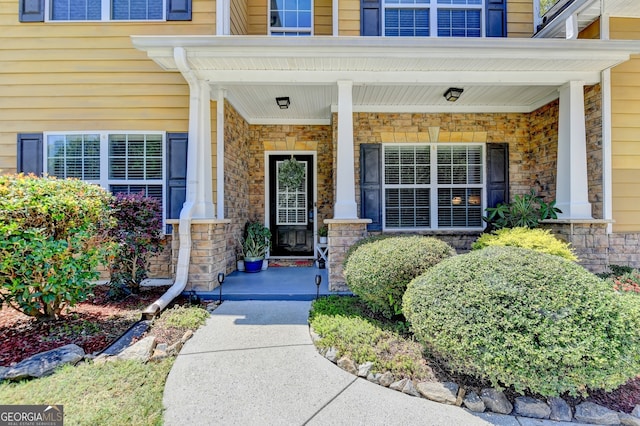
408 116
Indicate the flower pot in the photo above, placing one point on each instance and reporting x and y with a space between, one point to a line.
474 200
240 265
252 264
456 201
322 240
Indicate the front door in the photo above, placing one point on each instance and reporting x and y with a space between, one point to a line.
291 210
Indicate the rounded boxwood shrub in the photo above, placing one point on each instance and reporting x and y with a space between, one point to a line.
380 270
537 239
516 317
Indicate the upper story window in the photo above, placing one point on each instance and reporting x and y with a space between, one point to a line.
105 10
291 17
433 186
431 18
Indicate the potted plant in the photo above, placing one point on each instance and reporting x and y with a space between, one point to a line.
322 235
256 243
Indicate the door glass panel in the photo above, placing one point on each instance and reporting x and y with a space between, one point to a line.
291 203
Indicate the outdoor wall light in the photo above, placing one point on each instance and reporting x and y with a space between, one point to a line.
452 94
220 281
283 102
318 281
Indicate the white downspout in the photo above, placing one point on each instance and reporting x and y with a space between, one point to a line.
193 196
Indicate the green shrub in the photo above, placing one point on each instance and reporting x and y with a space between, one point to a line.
363 241
51 241
516 317
379 271
525 210
541 240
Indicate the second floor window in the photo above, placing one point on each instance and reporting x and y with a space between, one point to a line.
433 18
290 17
100 10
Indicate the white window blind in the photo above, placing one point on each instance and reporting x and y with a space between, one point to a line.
291 203
429 186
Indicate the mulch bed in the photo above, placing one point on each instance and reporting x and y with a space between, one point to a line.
92 325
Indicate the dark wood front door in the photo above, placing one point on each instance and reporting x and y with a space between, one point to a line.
291 210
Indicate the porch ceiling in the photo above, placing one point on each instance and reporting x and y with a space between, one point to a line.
389 75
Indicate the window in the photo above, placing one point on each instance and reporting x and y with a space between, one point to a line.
291 203
119 162
429 186
431 18
103 10
291 17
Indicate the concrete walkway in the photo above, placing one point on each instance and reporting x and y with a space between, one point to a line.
253 363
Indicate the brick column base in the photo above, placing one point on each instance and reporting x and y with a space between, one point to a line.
343 233
588 239
208 252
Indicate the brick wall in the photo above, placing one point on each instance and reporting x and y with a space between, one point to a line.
237 178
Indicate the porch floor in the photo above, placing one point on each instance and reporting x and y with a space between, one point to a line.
275 283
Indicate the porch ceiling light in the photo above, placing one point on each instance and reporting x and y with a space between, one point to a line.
452 94
283 102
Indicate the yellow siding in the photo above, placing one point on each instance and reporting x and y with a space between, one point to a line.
322 17
239 23
625 131
87 76
349 17
519 18
257 17
592 32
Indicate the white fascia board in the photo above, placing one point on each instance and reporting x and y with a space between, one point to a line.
505 78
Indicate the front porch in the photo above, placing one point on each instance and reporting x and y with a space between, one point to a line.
274 283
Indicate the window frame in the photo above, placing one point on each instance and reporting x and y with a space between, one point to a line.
433 6
106 11
285 30
433 187
104 181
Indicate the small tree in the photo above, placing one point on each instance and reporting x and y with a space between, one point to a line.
53 236
138 234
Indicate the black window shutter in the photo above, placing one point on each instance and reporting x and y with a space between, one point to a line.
31 10
496 18
497 174
176 174
178 10
371 185
30 153
370 22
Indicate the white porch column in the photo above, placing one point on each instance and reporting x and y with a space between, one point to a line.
345 206
220 151
572 192
199 182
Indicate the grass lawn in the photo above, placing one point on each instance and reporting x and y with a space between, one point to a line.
115 393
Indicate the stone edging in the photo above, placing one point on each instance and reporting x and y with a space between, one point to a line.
489 399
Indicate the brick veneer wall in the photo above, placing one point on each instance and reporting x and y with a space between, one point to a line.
237 178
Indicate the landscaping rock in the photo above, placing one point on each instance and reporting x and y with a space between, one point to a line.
386 379
410 389
314 336
588 412
496 401
560 410
364 369
398 385
531 407
331 354
3 370
636 411
628 420
347 365
446 392
160 352
374 378
474 403
139 351
175 348
186 336
44 363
